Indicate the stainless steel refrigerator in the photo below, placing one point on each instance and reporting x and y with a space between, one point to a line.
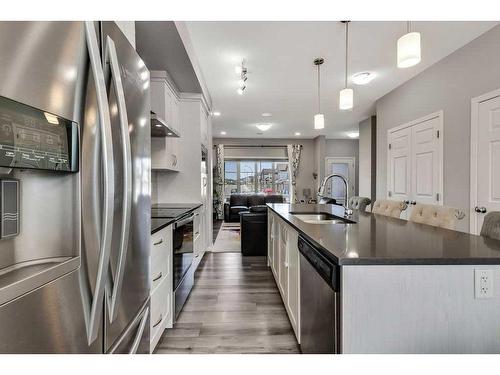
75 279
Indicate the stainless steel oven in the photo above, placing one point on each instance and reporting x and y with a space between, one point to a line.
183 276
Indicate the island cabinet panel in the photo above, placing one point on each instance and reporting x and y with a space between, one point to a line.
293 272
283 264
418 309
283 259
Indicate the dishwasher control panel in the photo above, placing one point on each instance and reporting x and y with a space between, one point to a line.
327 269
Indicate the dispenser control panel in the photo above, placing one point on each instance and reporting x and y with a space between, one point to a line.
34 139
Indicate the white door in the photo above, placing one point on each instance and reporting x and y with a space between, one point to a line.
415 162
344 166
425 159
485 166
399 187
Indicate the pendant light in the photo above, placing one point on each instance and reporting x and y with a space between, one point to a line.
346 95
408 48
319 118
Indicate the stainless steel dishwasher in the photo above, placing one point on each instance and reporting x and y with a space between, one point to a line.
319 301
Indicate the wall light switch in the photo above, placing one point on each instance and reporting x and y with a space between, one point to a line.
483 283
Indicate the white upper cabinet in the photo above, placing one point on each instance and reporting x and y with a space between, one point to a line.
204 127
165 103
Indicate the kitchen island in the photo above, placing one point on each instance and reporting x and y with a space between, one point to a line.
403 287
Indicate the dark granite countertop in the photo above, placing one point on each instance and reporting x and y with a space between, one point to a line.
377 239
158 222
187 206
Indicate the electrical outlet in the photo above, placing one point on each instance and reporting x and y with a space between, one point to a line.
483 283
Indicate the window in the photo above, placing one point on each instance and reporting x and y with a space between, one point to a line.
256 176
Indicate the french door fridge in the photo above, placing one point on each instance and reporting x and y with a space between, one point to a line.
76 277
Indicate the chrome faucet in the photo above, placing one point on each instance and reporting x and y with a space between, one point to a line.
321 191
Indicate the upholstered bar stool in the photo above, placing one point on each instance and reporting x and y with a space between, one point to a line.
388 208
358 203
491 225
438 216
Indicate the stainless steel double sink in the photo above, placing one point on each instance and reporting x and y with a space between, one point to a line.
320 218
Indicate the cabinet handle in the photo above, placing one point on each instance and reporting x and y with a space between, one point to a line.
159 321
160 275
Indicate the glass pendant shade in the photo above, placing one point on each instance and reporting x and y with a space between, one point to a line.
319 121
409 50
346 99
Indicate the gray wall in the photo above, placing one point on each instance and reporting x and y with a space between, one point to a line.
448 85
343 148
306 167
367 158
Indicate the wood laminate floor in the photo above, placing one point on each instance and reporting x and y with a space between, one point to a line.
234 307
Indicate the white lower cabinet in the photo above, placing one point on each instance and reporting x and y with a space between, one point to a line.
283 258
198 239
161 311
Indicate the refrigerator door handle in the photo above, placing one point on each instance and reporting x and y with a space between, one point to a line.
113 287
94 315
140 332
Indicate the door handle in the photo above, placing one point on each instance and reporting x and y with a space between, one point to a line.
158 242
480 210
158 322
112 69
95 311
160 275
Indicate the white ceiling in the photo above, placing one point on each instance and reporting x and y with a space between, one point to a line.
282 78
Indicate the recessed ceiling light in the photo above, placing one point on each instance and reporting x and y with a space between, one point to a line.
240 91
362 78
216 113
353 134
264 127
267 114
297 133
238 69
223 133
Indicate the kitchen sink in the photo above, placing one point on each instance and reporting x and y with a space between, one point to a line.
320 218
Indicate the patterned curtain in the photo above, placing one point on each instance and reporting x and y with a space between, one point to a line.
218 197
293 167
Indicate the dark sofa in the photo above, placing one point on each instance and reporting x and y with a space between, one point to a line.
242 202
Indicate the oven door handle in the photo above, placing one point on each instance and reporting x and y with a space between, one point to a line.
182 222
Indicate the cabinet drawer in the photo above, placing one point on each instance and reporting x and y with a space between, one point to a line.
161 256
161 305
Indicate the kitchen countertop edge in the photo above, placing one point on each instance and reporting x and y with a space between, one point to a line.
385 261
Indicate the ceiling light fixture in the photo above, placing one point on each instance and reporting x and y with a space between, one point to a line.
297 133
216 113
223 133
362 78
353 135
264 127
267 114
408 48
242 72
346 95
319 118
